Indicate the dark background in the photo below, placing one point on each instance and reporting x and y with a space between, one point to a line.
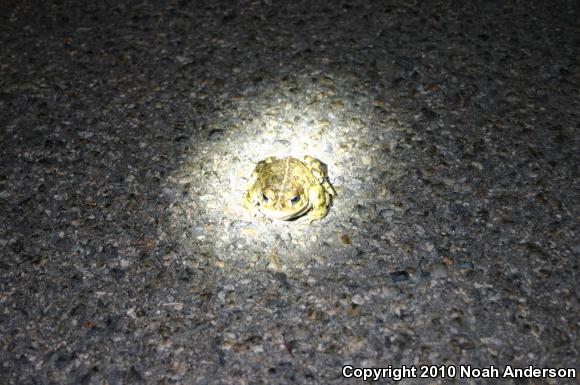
451 134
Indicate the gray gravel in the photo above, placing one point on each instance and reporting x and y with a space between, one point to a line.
127 136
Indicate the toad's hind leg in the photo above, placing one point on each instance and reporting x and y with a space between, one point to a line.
315 167
250 200
251 196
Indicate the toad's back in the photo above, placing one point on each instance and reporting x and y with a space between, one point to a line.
286 175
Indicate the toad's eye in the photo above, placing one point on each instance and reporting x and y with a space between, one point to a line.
295 199
265 198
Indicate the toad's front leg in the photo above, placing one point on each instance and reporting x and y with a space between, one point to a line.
318 198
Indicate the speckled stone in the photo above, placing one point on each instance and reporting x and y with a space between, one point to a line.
128 133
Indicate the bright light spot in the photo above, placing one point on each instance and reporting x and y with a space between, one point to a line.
305 118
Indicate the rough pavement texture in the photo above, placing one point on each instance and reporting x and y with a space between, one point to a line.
127 135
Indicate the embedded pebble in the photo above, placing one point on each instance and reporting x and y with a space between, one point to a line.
438 270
